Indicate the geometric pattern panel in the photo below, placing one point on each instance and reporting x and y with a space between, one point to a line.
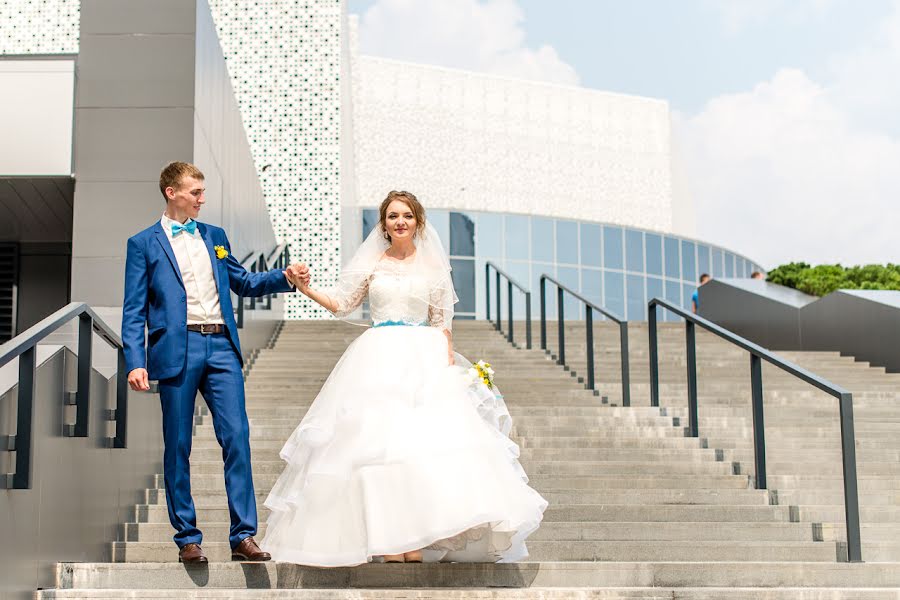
471 141
284 61
39 26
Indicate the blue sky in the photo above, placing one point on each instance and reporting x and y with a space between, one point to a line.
786 113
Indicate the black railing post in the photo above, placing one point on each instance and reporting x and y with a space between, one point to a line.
487 291
121 438
625 363
543 313
499 314
589 328
24 418
759 429
560 315
83 395
528 320
851 493
509 306
240 312
654 356
691 351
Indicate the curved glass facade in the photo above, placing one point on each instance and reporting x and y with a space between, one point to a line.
618 268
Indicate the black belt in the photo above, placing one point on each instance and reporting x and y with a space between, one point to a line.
207 328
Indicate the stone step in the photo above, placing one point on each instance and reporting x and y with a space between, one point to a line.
555 531
214 509
604 575
631 593
716 497
565 550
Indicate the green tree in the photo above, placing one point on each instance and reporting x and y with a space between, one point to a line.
824 279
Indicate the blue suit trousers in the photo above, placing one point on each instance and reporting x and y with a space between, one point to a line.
214 369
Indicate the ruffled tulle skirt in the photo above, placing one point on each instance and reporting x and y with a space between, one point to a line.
400 452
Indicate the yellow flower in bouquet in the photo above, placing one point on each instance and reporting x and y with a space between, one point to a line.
482 371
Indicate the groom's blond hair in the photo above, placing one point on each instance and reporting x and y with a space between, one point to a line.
174 172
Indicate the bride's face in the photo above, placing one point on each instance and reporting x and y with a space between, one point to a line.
399 221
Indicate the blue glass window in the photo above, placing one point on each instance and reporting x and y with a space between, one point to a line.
688 261
567 242
516 234
634 250
702 260
654 288
568 276
637 306
463 275
520 271
537 270
369 219
717 268
542 239
592 285
440 220
612 248
614 293
489 235
590 245
654 254
673 295
462 235
673 262
729 265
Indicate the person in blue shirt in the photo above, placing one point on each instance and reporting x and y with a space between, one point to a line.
695 298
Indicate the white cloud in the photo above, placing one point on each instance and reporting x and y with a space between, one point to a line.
796 169
485 36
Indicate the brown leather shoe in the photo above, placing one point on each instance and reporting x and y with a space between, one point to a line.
248 550
191 554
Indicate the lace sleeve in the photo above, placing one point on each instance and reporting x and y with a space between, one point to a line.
347 303
436 317
440 304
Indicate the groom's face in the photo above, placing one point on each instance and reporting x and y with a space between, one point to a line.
188 197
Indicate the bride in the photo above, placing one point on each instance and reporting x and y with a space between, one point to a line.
401 456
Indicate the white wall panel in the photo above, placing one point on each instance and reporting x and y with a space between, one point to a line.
36 116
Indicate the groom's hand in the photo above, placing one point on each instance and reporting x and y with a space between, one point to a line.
138 380
298 275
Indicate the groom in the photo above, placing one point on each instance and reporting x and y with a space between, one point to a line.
178 273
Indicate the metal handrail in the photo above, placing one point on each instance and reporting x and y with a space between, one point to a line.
23 347
757 355
589 339
510 283
257 261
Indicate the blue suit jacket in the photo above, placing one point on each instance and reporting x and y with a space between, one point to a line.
155 297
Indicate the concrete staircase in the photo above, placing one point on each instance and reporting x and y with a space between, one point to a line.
637 510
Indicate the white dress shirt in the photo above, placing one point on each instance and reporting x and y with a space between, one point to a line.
197 274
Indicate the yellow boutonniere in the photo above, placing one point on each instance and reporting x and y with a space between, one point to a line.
221 252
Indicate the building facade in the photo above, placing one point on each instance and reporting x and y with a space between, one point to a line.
538 178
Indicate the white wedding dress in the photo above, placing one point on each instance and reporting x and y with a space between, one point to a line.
400 451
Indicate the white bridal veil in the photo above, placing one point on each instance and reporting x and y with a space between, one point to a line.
429 265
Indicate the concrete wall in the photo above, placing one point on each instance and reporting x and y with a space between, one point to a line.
43 281
36 115
81 491
152 88
860 323
763 312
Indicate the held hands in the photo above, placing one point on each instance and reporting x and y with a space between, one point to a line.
299 276
138 380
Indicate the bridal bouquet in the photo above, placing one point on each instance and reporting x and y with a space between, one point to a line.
481 371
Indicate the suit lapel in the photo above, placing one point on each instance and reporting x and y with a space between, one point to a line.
163 240
207 239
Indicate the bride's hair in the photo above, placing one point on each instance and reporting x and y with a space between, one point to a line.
414 205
